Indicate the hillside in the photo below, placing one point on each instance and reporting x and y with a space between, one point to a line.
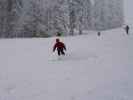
94 68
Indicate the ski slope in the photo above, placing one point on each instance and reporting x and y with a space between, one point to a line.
94 68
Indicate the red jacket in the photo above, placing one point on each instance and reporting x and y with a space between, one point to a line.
59 45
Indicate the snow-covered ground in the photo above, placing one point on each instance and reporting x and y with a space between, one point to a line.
95 68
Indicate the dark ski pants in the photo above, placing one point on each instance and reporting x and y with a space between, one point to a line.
127 31
60 51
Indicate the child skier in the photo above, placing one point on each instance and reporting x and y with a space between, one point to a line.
60 47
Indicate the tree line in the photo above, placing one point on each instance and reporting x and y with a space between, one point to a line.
44 18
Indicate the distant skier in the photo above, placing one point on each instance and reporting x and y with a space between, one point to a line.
99 33
60 47
59 34
127 29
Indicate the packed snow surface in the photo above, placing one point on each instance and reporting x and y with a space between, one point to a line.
94 68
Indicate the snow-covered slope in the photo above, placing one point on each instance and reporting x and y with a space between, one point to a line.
95 68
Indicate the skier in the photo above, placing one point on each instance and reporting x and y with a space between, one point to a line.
60 47
127 29
99 33
59 34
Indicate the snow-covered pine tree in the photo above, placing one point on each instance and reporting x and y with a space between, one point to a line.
33 20
8 17
107 14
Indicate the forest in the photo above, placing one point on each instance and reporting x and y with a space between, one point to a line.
45 18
